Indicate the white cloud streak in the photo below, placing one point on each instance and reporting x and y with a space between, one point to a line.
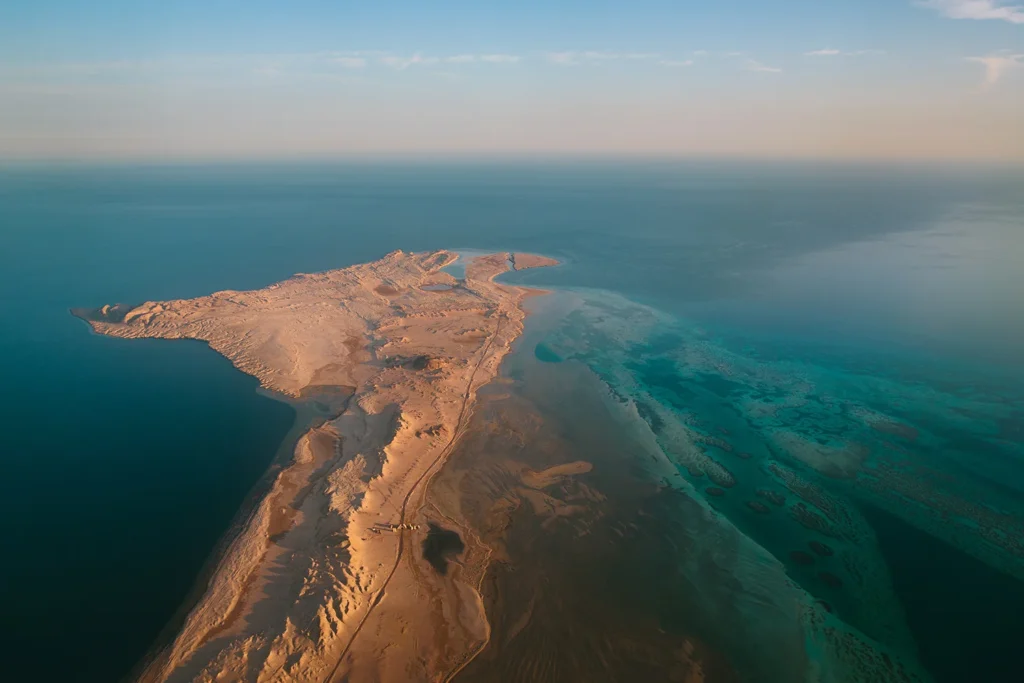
333 64
265 66
402 62
997 65
576 58
832 52
500 59
754 65
591 58
976 9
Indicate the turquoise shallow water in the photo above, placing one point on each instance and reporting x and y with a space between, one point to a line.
867 316
848 467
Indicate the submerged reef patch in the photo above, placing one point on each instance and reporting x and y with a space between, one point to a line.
816 436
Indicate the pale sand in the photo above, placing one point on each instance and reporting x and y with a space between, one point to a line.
306 591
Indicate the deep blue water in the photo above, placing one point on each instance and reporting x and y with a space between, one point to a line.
123 462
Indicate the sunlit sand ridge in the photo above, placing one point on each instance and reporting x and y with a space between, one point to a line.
321 584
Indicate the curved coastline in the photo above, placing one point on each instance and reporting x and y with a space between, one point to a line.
241 552
305 419
339 457
306 416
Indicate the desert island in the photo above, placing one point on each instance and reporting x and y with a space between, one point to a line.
325 579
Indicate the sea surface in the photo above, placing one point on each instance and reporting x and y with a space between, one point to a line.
829 357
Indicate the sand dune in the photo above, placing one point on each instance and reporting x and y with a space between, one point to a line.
317 587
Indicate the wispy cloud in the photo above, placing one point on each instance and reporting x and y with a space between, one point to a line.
575 57
350 62
311 64
832 52
500 59
754 65
563 58
363 64
976 9
402 62
997 65
488 59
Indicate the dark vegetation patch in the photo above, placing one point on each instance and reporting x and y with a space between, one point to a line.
773 497
545 354
758 507
821 549
432 430
408 362
800 557
440 546
831 580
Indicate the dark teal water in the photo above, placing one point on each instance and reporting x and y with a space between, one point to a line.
971 621
123 462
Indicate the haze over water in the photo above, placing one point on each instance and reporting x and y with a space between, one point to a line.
124 463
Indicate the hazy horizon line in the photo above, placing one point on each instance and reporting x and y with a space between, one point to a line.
431 157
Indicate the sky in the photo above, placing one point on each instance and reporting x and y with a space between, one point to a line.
222 79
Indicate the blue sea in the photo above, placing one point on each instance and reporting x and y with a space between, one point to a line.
831 356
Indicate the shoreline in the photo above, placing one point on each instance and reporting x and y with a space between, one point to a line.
306 418
306 519
533 305
304 421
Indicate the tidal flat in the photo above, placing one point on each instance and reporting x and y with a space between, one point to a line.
569 540
729 520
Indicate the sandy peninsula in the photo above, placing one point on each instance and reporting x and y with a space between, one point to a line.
326 582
